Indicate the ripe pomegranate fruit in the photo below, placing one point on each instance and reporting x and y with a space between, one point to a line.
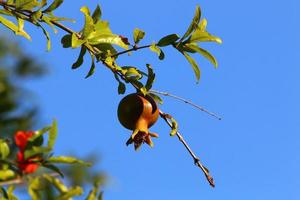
138 113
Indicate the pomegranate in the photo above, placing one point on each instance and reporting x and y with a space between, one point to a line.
138 113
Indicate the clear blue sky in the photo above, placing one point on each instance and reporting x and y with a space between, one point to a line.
252 153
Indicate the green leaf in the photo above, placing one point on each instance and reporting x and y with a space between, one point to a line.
143 90
88 24
138 35
204 53
202 25
53 6
107 39
13 27
39 133
122 86
158 51
36 151
193 24
97 14
76 42
4 149
26 4
194 65
79 60
47 37
174 127
4 193
75 191
131 73
67 160
103 35
151 77
54 169
168 40
34 187
21 30
6 174
57 183
156 98
52 134
93 67
48 21
10 191
100 197
203 36
66 41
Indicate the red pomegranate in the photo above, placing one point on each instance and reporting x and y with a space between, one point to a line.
138 113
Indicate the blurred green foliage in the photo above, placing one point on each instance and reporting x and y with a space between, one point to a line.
17 108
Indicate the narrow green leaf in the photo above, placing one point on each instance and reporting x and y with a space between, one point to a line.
54 169
53 6
9 24
168 40
67 160
204 53
138 35
100 197
52 134
151 77
92 68
200 36
21 30
34 187
79 60
47 37
122 86
202 25
194 65
4 149
48 21
88 24
158 51
10 191
75 191
4 193
97 14
57 183
193 24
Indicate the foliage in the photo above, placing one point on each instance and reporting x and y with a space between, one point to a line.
17 111
103 45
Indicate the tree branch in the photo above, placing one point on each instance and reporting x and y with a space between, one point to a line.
195 158
186 101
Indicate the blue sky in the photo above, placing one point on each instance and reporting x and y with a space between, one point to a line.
252 152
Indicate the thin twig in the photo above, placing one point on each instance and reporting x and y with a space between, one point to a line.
186 101
196 159
20 180
12 182
129 50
